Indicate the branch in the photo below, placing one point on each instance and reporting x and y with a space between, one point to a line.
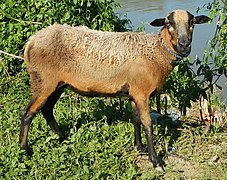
6 82
11 55
19 20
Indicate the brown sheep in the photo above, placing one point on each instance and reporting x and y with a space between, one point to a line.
94 63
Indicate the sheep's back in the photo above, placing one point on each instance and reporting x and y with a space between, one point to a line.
117 47
84 50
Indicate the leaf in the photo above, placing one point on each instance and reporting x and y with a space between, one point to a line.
88 3
199 70
67 15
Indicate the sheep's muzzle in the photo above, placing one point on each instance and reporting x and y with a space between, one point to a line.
184 46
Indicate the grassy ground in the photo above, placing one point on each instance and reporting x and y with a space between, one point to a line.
100 142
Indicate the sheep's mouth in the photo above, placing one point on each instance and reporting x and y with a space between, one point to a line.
184 51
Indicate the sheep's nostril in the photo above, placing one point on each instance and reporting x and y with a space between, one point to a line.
188 44
181 44
184 44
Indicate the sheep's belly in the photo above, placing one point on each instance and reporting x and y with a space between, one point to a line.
101 91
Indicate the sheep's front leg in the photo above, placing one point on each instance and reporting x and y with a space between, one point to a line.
142 105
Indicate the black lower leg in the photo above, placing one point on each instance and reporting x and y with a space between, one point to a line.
138 139
150 145
48 115
25 124
137 129
47 111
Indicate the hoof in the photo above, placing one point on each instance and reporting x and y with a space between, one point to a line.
142 149
27 149
61 139
159 169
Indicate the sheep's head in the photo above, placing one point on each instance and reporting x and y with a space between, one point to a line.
179 25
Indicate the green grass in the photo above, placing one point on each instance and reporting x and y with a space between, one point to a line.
99 142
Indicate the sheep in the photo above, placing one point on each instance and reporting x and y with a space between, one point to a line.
96 63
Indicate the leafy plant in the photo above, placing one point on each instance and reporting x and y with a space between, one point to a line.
214 62
183 86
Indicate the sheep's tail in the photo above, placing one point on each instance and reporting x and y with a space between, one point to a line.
27 52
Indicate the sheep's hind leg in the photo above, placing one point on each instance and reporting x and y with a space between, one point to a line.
47 111
38 101
26 120
137 129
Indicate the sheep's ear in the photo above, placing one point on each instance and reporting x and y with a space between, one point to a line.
158 22
201 19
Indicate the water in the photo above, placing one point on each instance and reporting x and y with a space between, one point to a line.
144 11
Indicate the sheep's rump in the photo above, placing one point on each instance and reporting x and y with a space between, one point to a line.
81 43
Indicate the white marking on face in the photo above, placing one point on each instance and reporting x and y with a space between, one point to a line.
171 29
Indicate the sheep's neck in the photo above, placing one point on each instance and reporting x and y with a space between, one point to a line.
167 38
167 49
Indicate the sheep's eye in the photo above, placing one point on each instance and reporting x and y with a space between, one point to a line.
191 24
168 24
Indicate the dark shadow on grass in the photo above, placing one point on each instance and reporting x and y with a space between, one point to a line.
168 127
105 110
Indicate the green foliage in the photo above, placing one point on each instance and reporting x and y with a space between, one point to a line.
218 9
183 86
20 19
214 62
